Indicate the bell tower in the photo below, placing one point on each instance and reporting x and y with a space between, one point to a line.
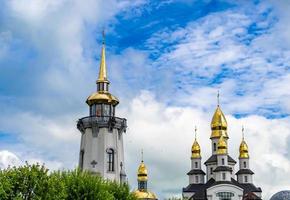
101 148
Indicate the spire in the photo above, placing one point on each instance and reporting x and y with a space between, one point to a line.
244 150
243 133
195 132
195 149
218 98
103 68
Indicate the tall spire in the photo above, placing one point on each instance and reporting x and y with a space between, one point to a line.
195 132
243 133
103 68
218 98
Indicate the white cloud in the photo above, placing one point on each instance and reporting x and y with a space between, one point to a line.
8 159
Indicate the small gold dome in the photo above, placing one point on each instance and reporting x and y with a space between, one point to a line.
222 146
219 124
144 194
244 151
195 150
102 97
142 172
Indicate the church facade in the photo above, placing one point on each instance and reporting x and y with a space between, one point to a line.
219 181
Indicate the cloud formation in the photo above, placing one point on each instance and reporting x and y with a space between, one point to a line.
166 72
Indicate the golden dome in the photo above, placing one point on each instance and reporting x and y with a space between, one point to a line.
219 124
144 194
195 150
102 97
222 146
142 172
244 151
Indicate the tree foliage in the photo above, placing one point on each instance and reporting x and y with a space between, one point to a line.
34 182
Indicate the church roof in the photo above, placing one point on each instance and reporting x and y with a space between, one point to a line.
196 171
200 189
244 171
213 159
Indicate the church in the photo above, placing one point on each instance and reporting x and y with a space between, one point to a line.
102 152
218 182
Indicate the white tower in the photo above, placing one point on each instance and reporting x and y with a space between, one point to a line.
101 149
196 174
244 175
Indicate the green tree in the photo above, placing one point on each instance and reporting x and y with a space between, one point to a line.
34 182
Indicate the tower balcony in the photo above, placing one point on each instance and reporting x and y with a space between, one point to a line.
96 122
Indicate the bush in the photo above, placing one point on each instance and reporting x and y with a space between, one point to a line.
31 182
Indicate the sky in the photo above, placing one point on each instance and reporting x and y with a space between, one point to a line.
166 61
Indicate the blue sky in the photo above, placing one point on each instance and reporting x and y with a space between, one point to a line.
166 61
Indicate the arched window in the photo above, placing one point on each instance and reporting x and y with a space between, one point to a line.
245 164
111 159
223 161
196 179
82 152
211 170
196 164
214 146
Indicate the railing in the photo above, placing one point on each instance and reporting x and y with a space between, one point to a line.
102 121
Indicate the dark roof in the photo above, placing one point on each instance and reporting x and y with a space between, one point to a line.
223 168
196 171
213 159
249 187
200 194
193 188
244 171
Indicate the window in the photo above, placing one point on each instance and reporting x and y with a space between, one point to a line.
224 176
82 152
93 110
211 170
111 155
196 164
214 146
245 164
98 111
196 179
223 161
225 195
106 110
246 179
142 185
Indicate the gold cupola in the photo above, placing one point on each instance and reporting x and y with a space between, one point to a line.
222 147
102 95
244 150
195 149
142 176
219 123
142 172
